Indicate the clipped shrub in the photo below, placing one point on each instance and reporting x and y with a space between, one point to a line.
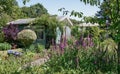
5 46
27 37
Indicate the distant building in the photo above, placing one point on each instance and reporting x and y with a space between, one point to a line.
88 24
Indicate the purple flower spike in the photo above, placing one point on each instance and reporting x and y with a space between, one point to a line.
84 44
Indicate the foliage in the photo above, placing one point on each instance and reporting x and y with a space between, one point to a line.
91 2
88 37
110 11
94 31
74 60
11 9
17 65
40 48
34 10
37 48
16 13
11 64
6 6
75 31
83 60
72 13
10 32
5 46
27 37
24 1
75 22
4 18
2 37
100 59
90 19
110 44
31 48
49 23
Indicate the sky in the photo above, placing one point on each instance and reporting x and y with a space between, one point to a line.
53 5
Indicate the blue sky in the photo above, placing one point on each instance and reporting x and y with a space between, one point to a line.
53 5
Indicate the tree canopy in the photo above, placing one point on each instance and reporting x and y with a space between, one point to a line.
34 10
110 10
9 10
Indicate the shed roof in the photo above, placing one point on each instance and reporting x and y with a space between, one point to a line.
22 21
62 18
29 20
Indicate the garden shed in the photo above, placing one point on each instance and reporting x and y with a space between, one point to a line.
25 24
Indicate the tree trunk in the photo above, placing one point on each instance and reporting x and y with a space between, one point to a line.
118 55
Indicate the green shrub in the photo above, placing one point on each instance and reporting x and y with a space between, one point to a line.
27 37
110 45
36 48
94 31
86 60
1 37
76 31
13 64
32 47
5 46
40 48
